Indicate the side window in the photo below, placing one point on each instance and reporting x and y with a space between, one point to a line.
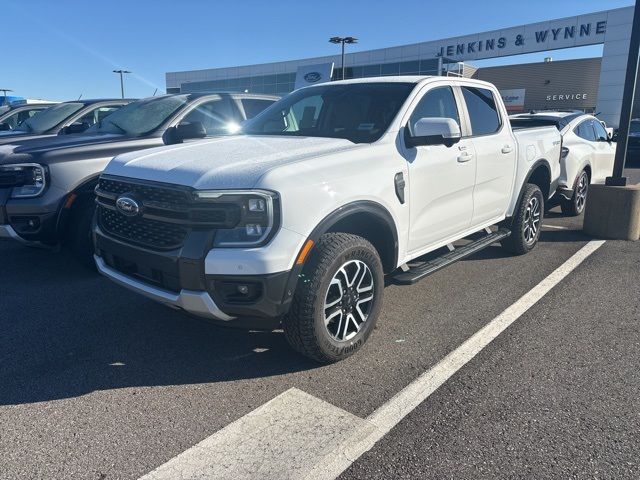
96 115
214 115
437 102
253 106
601 133
585 131
483 112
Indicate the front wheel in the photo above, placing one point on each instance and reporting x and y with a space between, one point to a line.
575 206
527 222
338 298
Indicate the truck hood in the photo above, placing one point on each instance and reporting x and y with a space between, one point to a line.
223 163
63 148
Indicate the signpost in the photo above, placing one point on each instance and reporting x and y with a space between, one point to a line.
627 103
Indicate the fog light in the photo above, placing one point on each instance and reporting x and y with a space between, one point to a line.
254 230
243 289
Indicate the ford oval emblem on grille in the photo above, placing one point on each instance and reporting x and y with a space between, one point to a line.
127 206
313 77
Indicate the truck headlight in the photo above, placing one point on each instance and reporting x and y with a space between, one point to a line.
27 180
258 216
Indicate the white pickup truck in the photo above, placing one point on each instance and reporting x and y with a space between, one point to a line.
296 222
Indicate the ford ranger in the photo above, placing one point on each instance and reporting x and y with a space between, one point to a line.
295 223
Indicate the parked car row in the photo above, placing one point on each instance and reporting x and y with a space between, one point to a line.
48 181
299 218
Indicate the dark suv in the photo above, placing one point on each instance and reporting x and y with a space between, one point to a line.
61 119
47 184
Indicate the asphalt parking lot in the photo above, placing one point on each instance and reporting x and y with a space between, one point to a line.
99 383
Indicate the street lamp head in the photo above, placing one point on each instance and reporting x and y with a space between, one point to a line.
121 71
343 40
336 39
350 40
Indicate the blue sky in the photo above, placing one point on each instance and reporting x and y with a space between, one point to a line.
60 50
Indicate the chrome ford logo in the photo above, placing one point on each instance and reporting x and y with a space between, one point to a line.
127 206
312 77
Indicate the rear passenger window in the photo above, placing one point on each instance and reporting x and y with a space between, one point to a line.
585 131
483 112
437 102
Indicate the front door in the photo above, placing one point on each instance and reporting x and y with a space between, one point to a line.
441 178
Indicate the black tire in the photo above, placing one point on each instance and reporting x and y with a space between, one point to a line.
576 205
521 241
79 237
304 324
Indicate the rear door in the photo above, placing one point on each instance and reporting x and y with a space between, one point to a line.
605 154
441 178
496 154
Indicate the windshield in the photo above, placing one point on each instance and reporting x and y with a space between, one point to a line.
49 118
140 117
359 112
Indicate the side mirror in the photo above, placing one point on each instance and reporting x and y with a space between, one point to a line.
74 128
609 133
433 131
4 127
183 131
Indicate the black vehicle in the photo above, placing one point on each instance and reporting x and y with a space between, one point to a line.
47 184
12 117
633 144
61 119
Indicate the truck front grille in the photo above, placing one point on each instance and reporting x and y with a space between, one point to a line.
167 213
142 231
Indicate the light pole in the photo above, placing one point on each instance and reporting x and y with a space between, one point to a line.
121 72
627 103
342 41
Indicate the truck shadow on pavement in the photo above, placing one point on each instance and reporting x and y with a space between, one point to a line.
66 332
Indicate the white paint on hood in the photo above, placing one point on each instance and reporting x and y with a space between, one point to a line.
222 163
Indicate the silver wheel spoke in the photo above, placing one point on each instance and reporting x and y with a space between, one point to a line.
345 310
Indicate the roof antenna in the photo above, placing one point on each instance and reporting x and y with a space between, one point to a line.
80 97
154 92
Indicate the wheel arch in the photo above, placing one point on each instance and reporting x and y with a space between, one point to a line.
72 200
369 220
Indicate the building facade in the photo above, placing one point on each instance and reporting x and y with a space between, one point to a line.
612 28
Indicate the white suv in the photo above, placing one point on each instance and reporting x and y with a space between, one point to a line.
296 222
588 153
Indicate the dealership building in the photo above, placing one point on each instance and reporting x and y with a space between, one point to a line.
593 85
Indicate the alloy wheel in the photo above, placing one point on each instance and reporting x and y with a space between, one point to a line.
532 220
349 300
581 192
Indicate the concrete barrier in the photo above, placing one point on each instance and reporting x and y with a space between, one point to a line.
613 212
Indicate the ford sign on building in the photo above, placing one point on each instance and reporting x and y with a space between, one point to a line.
593 85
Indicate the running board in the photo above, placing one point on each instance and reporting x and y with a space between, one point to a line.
416 274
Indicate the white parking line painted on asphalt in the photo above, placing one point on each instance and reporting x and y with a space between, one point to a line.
296 435
284 438
404 402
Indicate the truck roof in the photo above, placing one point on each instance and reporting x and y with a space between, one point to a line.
410 79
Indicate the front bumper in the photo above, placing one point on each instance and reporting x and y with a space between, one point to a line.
198 303
31 221
181 278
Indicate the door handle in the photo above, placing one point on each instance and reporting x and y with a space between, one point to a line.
507 149
464 157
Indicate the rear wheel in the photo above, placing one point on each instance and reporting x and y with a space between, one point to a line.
338 300
527 221
575 206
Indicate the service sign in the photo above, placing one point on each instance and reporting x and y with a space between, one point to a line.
313 74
